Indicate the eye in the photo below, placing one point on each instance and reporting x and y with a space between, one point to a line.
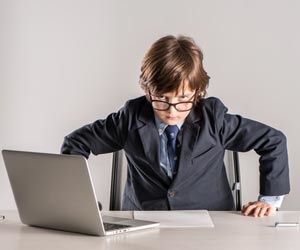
184 98
160 97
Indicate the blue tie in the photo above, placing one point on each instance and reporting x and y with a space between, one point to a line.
171 132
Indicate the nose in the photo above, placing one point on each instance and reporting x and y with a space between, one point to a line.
172 109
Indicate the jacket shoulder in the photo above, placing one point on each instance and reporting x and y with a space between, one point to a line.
136 103
213 105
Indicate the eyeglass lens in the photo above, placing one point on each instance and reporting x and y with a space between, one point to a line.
180 106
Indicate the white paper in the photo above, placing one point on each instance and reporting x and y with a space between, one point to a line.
176 218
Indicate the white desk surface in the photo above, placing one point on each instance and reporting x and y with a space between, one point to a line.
231 231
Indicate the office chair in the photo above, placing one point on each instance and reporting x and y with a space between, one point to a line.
119 173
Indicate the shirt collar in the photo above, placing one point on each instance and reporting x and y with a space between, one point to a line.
161 126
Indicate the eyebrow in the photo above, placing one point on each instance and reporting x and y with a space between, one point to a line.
185 94
178 94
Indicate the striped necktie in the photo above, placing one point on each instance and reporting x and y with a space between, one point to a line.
171 131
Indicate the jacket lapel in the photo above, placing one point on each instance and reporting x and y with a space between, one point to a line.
150 139
188 138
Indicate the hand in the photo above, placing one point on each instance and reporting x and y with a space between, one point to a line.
258 209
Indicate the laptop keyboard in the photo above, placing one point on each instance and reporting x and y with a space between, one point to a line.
111 226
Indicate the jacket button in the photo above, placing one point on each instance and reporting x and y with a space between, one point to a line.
171 193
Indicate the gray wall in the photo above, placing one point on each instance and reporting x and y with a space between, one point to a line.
65 63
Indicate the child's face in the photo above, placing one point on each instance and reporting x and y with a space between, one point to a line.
172 116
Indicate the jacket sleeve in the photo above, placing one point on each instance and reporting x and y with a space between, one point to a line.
102 136
240 134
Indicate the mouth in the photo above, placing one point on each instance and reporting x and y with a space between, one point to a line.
172 118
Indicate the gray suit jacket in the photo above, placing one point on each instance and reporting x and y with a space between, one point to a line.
201 181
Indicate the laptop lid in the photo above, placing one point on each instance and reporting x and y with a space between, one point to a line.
56 191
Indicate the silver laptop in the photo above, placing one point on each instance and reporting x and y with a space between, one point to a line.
56 191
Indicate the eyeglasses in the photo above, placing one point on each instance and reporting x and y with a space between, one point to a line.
179 106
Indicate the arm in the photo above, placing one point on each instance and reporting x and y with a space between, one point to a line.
102 136
241 134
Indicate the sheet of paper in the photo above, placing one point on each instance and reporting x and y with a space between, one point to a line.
177 218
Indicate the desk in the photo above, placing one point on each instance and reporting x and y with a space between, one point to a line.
231 231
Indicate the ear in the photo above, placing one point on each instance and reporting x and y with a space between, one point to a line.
147 94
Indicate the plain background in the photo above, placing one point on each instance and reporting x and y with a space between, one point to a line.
66 63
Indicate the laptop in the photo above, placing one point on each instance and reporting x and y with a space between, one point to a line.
56 191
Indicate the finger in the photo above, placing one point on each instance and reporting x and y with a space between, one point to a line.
256 211
263 211
271 211
249 210
244 208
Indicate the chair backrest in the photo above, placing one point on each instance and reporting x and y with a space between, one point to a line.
232 165
119 173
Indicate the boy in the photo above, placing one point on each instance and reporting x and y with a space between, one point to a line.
174 139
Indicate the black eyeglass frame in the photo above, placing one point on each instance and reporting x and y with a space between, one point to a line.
172 104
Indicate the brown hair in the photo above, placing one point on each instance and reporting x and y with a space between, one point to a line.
171 61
